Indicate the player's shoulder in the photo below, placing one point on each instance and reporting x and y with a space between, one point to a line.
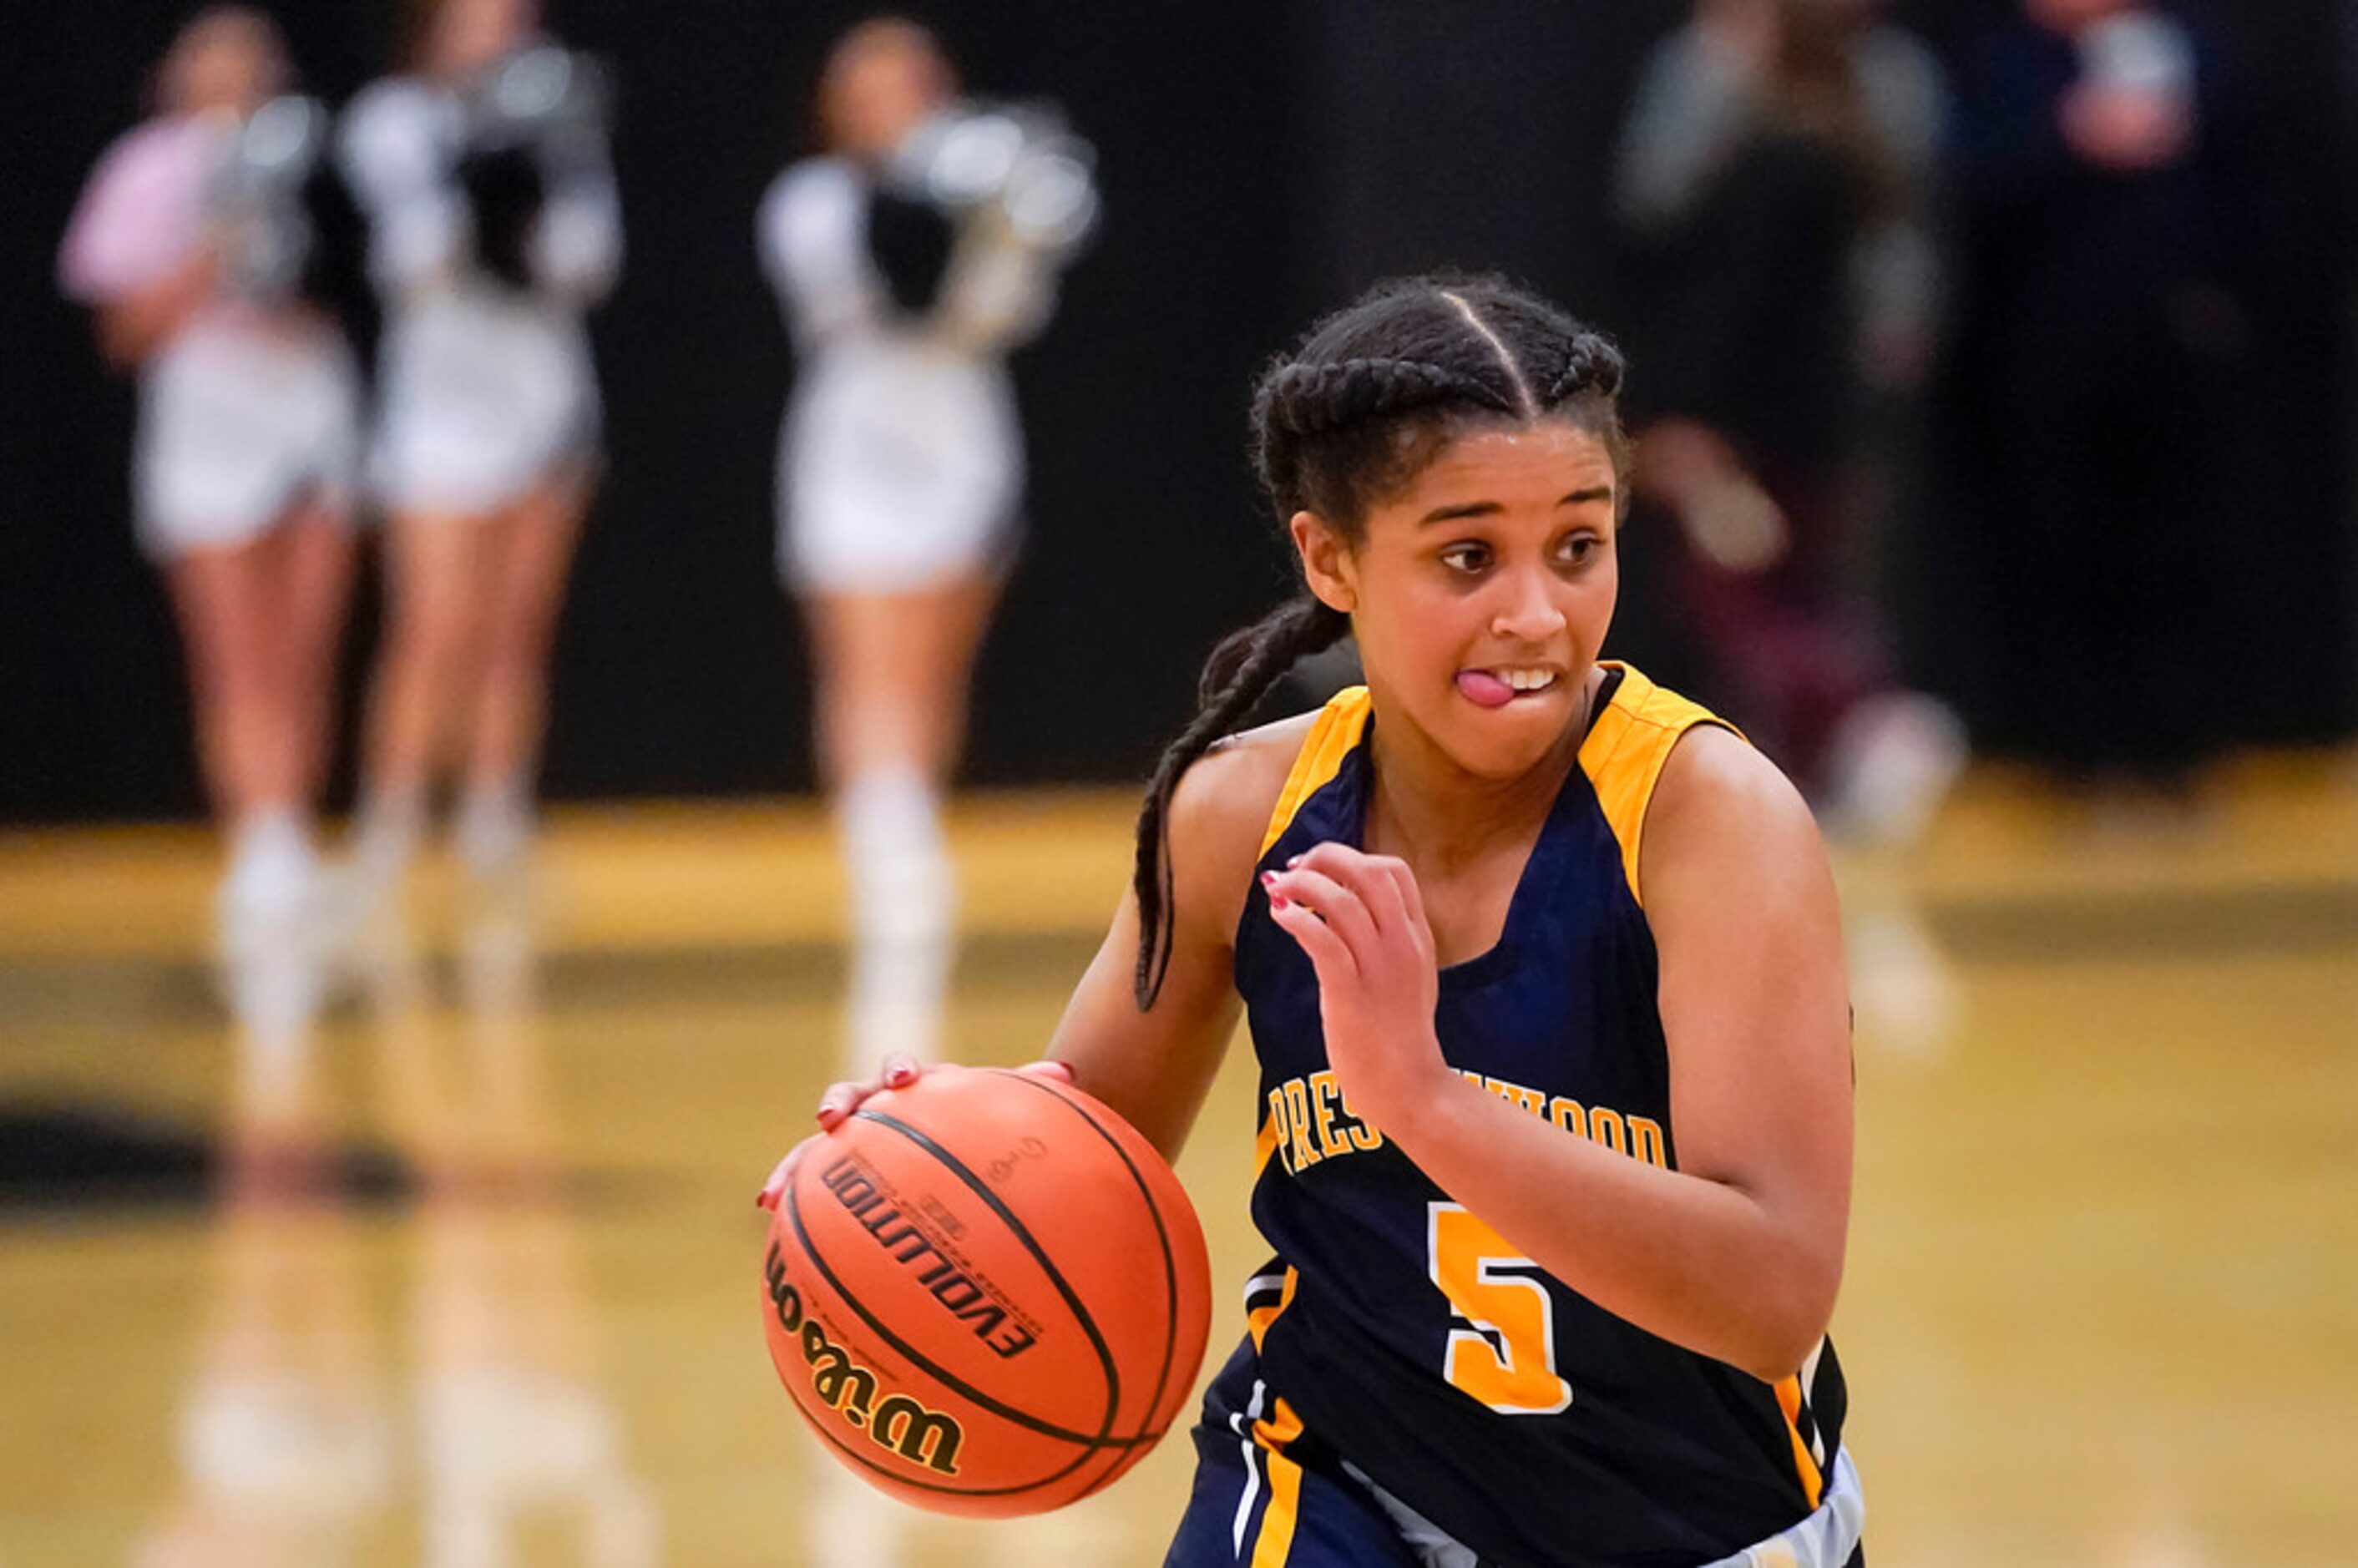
1235 786
1221 806
1719 795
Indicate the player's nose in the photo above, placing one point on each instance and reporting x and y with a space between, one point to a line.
1526 611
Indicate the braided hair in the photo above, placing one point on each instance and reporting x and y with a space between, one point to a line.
1348 419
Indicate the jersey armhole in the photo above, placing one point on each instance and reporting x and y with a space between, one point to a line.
1338 730
1627 748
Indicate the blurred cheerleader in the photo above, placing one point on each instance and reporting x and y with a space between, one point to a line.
911 258
494 226
189 243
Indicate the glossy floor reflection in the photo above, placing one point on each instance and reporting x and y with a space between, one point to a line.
446 1256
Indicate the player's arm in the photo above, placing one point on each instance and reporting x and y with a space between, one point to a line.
1738 1253
1155 1066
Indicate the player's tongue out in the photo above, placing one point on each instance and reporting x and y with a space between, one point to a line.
1486 688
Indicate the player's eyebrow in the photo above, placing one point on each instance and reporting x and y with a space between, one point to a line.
1594 493
1453 514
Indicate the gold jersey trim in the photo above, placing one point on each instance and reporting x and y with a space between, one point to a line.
1333 734
1623 755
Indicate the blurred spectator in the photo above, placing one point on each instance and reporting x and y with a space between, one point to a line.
2102 338
1775 182
189 245
912 256
494 225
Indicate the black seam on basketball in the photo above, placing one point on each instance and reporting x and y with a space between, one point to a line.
1153 1212
949 1379
794 1213
1054 1277
1161 1234
899 1479
855 1457
1123 1462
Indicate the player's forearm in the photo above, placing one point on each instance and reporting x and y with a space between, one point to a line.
1702 1263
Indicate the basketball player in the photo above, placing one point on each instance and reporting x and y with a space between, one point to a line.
1543 969
189 245
911 258
494 225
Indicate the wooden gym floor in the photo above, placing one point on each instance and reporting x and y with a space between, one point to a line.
462 1270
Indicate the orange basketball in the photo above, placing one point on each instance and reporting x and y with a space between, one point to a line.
985 1292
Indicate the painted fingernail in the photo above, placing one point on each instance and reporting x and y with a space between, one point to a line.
1268 878
1278 901
1293 862
775 1188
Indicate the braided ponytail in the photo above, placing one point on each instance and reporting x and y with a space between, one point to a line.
1240 673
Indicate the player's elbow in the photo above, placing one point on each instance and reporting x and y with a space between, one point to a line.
1788 1324
1782 1355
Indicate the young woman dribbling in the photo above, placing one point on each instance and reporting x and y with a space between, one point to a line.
1542 968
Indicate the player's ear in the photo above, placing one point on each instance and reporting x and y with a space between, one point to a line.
1326 561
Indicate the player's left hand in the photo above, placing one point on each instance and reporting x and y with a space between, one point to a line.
1362 920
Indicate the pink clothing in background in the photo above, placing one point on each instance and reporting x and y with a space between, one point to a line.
141 216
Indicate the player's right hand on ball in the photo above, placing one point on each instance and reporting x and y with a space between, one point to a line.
842 1099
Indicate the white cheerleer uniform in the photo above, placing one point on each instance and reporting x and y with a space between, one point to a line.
239 420
484 390
252 406
901 462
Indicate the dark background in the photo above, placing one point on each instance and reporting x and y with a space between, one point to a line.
1260 162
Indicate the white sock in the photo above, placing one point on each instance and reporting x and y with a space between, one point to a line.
902 897
494 827
271 867
385 835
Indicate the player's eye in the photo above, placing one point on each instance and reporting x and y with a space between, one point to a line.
1579 549
1467 556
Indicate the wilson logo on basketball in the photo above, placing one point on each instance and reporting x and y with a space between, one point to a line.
881 1212
896 1421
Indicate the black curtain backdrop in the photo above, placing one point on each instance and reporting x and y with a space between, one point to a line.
1259 163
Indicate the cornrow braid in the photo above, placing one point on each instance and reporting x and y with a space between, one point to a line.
1240 673
1302 399
1591 365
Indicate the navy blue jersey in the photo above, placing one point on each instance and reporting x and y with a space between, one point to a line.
1401 1331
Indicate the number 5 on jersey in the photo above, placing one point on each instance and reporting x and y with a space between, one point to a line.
1507 1357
